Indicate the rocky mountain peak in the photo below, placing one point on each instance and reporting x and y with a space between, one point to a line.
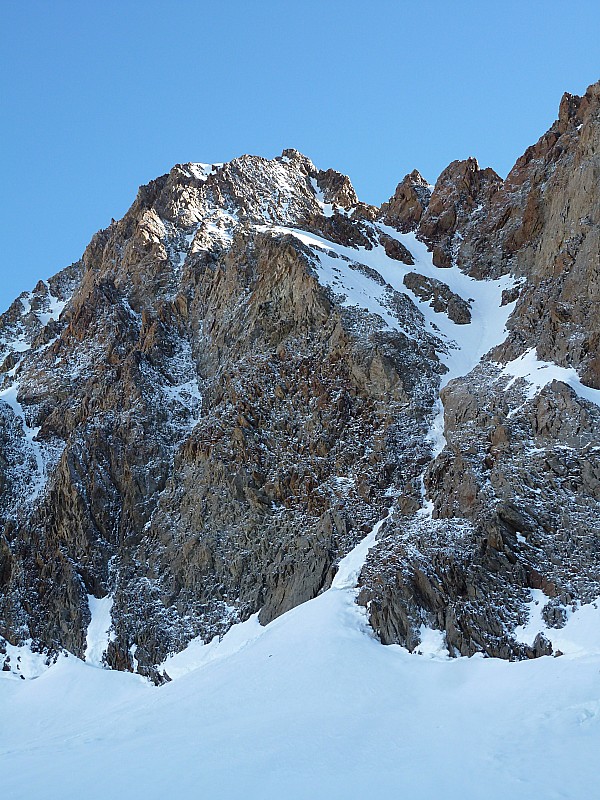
575 111
252 367
462 191
337 188
405 209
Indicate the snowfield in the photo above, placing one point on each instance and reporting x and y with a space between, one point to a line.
311 706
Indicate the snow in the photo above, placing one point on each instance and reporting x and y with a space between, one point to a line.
326 208
535 624
24 661
219 224
98 630
25 299
18 346
537 374
432 644
360 290
197 654
349 567
17 337
54 308
187 395
579 637
467 344
311 705
183 395
202 171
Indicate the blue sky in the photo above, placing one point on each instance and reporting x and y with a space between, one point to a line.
100 97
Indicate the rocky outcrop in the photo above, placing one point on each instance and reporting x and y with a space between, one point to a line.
460 196
222 429
405 209
440 297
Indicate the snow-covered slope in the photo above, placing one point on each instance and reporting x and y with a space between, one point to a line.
311 705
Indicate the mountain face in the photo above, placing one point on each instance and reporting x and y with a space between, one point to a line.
201 417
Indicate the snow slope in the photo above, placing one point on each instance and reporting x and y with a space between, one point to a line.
310 706
466 343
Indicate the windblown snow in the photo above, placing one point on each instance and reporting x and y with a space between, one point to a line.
537 374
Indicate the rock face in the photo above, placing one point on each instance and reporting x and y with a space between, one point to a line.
404 211
514 489
241 376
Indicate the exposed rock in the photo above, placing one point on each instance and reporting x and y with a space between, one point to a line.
396 250
405 209
336 188
460 197
216 430
443 299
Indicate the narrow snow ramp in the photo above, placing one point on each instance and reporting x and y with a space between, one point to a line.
98 637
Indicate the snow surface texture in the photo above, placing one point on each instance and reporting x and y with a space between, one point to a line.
311 705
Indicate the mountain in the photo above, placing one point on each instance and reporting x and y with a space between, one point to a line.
204 415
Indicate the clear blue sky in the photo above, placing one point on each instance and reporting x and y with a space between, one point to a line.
98 97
